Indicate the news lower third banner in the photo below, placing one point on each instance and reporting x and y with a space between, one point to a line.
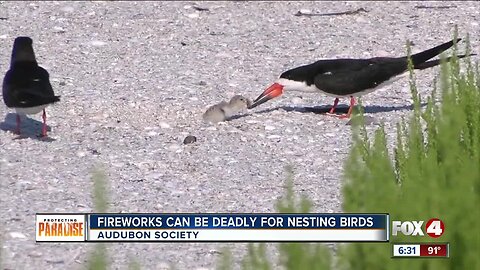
212 227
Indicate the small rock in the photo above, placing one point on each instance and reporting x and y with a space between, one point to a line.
361 20
173 147
35 254
17 235
164 125
199 8
163 266
98 43
269 127
297 100
193 15
58 29
382 53
55 260
305 11
152 133
189 139
67 9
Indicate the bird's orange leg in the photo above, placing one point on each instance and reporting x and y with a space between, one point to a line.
352 104
44 127
335 103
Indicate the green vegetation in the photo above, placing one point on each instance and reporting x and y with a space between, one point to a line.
98 257
435 172
292 255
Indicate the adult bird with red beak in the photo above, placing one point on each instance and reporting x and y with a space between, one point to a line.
349 77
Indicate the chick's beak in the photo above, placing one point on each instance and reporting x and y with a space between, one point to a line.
275 90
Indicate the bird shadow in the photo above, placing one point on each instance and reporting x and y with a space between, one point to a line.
341 109
30 128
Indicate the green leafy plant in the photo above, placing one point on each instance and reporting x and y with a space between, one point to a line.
434 172
98 257
291 255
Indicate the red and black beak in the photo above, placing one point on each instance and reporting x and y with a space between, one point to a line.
273 91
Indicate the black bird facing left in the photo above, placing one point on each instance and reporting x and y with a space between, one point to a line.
350 77
26 86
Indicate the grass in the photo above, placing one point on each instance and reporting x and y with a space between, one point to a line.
98 257
434 173
311 256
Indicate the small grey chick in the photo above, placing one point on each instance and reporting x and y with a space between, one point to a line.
223 110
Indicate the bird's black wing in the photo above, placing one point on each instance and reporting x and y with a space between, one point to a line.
349 77
25 88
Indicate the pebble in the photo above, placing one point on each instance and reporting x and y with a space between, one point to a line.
174 148
164 125
361 20
97 43
189 139
152 133
55 260
305 11
193 15
163 266
267 127
17 235
35 254
297 100
67 9
58 29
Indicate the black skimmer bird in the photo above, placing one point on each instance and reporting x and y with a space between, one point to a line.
224 110
26 86
349 77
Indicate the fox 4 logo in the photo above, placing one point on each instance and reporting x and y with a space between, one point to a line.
434 228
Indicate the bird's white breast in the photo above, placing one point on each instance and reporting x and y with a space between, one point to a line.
291 85
31 110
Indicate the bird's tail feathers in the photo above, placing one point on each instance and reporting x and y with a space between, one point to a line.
422 57
437 62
